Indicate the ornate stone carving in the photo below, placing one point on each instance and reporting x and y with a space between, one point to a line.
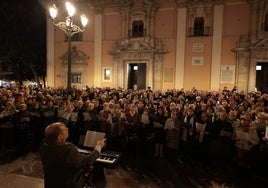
145 48
252 48
78 57
202 2
139 44
263 43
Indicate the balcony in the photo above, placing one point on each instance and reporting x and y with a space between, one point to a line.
198 32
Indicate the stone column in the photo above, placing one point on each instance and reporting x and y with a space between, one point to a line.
180 48
124 34
147 23
216 48
254 10
252 75
150 73
242 69
120 74
50 54
151 23
127 26
115 73
158 72
98 51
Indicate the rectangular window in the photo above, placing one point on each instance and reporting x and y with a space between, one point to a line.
107 74
76 78
137 28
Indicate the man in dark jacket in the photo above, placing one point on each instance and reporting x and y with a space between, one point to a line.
63 165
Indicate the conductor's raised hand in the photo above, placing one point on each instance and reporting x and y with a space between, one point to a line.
101 143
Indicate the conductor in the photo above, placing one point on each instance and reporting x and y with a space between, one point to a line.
63 165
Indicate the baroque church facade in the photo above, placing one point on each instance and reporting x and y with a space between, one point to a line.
163 44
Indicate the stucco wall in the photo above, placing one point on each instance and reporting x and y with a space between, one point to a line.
235 21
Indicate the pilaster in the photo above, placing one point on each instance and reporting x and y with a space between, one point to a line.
98 50
50 54
216 48
180 47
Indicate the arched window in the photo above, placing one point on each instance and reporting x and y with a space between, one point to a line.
137 29
266 22
199 26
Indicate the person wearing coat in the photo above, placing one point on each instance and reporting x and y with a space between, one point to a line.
63 165
173 128
246 138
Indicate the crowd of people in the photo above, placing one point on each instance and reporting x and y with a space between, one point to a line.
225 126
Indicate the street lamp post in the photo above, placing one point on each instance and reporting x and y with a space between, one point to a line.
70 29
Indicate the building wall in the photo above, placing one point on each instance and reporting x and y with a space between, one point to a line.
236 23
236 18
198 76
165 29
112 32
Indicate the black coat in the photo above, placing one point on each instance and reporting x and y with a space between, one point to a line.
64 166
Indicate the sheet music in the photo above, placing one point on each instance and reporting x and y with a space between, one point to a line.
83 151
157 124
92 138
200 127
86 116
74 116
169 124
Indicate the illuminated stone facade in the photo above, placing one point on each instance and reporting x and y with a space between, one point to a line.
208 44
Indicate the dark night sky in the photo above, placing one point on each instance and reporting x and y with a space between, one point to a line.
22 19
23 30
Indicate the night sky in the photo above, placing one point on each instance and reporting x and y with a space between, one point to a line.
22 19
23 31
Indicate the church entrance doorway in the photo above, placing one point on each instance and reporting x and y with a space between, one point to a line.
261 77
136 76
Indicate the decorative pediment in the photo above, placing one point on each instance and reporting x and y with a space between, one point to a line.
140 44
138 14
78 57
263 43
